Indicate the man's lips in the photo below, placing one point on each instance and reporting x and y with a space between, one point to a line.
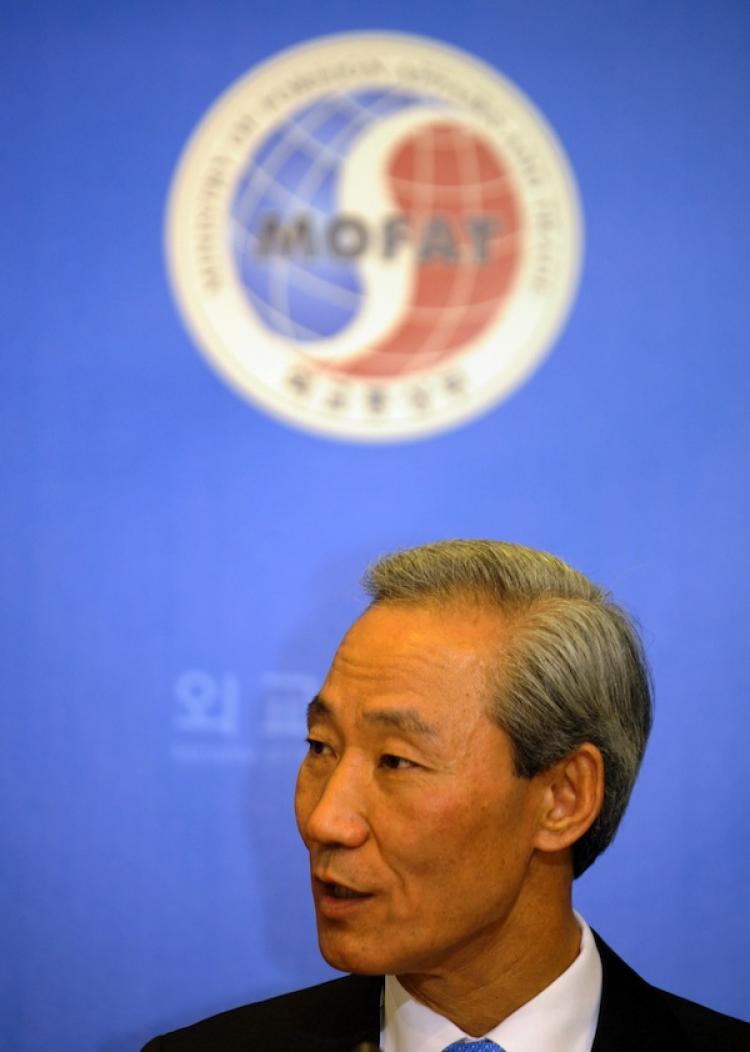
335 898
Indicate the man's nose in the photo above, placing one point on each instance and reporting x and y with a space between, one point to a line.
339 815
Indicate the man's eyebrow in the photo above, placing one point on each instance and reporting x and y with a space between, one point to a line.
317 709
407 719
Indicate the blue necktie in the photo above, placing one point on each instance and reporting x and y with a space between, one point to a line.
473 1046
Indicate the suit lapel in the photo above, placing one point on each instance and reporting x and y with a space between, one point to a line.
633 1016
347 1015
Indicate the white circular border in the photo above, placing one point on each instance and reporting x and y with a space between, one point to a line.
290 384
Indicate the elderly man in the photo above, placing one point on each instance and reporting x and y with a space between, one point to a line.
471 752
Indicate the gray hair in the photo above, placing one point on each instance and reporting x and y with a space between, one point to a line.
574 670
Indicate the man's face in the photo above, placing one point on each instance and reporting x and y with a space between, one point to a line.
419 833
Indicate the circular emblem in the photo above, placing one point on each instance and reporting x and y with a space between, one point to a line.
373 236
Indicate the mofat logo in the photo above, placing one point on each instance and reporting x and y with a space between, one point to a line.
373 236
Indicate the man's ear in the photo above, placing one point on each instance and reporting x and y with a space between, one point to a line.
572 798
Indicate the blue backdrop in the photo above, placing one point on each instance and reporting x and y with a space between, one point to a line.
178 566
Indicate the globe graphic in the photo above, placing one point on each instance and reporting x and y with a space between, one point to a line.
442 168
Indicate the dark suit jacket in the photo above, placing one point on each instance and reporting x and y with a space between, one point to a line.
336 1016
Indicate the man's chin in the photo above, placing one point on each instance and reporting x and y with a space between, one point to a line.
357 959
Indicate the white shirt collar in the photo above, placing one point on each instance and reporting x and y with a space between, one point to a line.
562 1018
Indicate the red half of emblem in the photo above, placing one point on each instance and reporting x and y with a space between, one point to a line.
450 185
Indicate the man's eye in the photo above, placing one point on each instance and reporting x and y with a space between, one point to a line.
315 747
395 763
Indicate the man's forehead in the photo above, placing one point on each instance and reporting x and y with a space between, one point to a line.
415 668
402 664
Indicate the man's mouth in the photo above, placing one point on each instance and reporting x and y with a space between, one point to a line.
334 897
340 891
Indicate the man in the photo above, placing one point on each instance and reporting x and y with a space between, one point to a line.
471 752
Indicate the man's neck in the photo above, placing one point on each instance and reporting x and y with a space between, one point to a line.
480 989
